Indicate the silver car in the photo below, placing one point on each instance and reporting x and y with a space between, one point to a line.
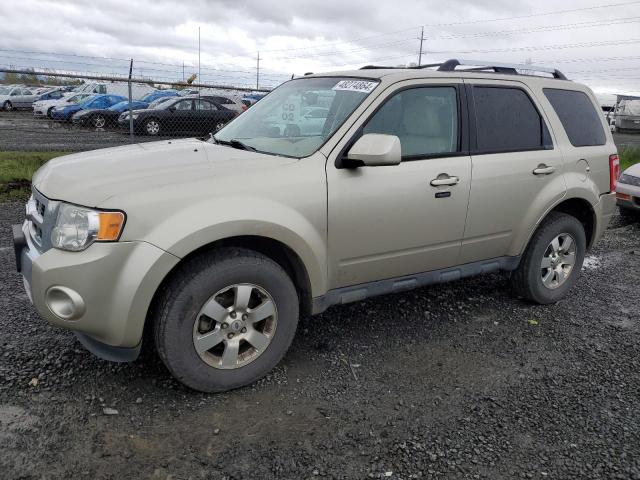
628 190
12 98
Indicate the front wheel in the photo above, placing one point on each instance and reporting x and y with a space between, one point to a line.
99 121
7 106
152 127
225 319
552 262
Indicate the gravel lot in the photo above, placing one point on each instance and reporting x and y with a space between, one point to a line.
455 381
20 131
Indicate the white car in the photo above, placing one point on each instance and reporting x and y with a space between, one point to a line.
44 108
14 97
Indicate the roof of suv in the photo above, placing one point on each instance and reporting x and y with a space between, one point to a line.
472 69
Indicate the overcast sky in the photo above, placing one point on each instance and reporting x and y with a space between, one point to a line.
598 46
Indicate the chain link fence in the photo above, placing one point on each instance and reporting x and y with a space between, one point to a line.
42 110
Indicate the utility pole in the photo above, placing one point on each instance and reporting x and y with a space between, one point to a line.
199 79
258 72
421 40
183 72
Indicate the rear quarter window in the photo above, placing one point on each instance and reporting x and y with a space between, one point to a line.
578 116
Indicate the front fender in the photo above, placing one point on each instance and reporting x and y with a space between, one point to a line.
241 216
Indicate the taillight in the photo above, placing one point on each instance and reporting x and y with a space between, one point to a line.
614 171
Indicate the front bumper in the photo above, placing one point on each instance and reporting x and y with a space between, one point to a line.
628 196
115 281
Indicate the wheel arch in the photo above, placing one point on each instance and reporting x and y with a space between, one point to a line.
276 250
578 207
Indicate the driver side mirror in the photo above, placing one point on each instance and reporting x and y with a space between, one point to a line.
375 150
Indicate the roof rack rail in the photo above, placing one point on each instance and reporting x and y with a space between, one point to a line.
497 67
480 66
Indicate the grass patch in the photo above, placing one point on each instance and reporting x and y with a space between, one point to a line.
629 156
16 170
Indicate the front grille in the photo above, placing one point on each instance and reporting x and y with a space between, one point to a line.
41 216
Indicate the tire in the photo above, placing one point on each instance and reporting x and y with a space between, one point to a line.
527 279
49 112
185 300
7 106
152 127
99 121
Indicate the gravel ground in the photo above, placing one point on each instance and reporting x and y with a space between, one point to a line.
454 381
20 131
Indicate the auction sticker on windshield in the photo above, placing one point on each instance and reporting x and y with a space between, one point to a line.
363 86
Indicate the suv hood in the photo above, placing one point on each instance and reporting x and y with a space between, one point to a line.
90 178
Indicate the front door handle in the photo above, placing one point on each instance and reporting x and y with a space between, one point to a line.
544 170
444 180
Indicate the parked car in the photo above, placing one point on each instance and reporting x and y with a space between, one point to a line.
230 103
138 91
64 114
43 108
50 94
158 101
159 94
179 115
628 191
627 116
13 98
217 247
105 117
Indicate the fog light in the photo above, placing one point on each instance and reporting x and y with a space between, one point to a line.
65 303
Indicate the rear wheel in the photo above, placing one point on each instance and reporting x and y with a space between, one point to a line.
552 262
49 112
225 319
7 106
152 127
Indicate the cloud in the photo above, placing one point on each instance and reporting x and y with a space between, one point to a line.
315 35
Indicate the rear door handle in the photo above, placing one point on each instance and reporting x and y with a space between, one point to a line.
444 180
544 170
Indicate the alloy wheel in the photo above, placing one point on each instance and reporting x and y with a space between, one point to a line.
235 326
99 121
152 127
558 261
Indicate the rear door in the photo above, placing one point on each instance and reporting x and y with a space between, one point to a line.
517 168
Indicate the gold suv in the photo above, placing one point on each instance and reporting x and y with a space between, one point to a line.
333 188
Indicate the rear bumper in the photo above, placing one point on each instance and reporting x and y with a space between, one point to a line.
604 210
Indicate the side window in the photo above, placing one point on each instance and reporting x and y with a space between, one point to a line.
204 105
578 116
507 121
425 119
183 105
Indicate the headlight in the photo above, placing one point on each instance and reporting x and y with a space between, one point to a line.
78 227
134 115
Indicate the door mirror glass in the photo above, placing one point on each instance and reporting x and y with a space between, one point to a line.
376 150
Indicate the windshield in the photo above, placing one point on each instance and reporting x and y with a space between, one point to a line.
85 103
299 116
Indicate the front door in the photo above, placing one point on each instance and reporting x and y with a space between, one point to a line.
390 221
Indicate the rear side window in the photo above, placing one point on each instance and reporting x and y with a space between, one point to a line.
508 121
579 118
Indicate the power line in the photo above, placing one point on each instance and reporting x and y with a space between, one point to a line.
468 22
558 46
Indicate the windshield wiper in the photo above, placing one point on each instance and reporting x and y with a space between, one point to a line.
235 143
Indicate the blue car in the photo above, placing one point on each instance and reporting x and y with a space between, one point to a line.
105 117
159 94
64 114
